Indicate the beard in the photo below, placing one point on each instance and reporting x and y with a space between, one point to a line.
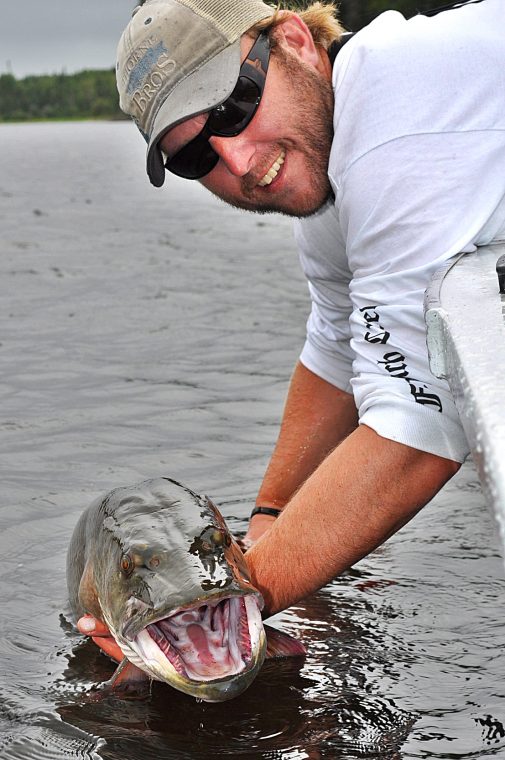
310 134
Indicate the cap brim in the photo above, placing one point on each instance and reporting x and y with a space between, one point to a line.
206 88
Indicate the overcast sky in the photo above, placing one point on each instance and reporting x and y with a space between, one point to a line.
50 36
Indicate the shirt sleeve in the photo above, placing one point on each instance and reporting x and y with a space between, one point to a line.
405 208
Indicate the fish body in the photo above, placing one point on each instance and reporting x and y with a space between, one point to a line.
157 564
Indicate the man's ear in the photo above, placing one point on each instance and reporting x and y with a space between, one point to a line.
293 34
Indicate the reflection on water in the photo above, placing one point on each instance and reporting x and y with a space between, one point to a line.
149 333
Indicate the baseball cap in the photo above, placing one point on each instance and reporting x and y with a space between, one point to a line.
179 58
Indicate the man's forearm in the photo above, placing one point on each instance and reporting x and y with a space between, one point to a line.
362 493
317 417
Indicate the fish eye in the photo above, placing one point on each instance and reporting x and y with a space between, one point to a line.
221 538
126 564
217 537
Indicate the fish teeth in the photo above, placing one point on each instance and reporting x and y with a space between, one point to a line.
147 655
233 629
254 621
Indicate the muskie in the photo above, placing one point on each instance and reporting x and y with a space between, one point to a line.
157 564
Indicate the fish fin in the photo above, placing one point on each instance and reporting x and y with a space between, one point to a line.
281 644
88 595
127 672
128 681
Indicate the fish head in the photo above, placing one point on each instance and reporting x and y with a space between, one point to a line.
173 587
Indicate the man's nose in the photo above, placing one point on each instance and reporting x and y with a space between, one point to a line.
236 153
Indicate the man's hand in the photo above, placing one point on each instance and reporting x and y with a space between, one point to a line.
101 635
258 525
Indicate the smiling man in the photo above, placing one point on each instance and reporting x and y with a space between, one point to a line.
278 161
390 151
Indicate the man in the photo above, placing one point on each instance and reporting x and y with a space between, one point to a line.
392 156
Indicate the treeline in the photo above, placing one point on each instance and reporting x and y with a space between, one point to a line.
86 95
92 94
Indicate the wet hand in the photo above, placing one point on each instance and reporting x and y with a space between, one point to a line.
100 634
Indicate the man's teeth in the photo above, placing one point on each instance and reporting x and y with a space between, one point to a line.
273 171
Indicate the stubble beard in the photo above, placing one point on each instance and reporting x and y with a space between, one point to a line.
311 137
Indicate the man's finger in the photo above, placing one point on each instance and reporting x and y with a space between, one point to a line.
109 646
100 635
90 626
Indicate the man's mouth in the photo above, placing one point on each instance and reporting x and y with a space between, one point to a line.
273 171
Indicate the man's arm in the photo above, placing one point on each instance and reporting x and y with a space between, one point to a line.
361 494
317 417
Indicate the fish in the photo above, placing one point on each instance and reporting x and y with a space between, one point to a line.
157 564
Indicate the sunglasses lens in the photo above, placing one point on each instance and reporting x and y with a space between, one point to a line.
232 116
195 160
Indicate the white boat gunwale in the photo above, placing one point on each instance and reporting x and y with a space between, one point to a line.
465 320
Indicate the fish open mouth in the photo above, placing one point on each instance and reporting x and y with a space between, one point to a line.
211 641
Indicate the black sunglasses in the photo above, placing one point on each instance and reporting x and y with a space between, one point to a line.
197 158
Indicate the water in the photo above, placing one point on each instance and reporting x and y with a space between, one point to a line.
148 333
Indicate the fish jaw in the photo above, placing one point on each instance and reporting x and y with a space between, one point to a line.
211 651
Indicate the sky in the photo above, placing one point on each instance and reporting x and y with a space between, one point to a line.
51 36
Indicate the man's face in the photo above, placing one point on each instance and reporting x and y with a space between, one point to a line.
287 141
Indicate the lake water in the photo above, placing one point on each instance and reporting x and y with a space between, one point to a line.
152 332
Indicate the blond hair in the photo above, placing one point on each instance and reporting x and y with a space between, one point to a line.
321 19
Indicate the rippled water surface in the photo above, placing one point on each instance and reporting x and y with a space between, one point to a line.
148 333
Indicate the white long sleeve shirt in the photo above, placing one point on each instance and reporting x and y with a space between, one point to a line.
418 170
